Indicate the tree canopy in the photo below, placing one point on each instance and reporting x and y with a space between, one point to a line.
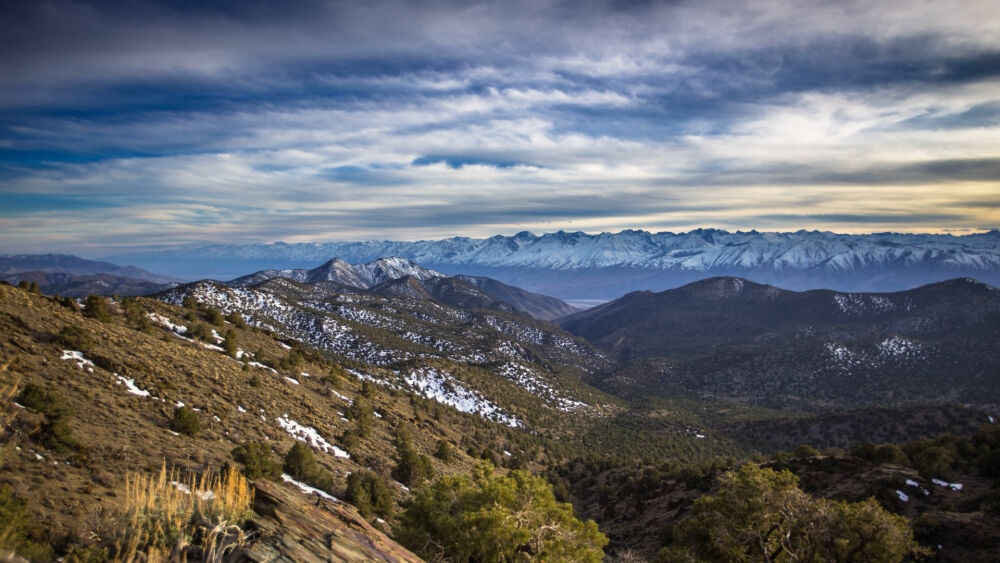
760 514
490 517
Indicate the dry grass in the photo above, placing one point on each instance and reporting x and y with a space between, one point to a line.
9 389
8 411
167 517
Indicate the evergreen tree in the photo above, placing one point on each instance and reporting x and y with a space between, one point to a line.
761 515
489 517
97 307
369 494
362 415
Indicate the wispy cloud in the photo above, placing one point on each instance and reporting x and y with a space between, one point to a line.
170 123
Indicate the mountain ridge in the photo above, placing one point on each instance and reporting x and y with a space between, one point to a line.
607 265
51 263
401 276
734 339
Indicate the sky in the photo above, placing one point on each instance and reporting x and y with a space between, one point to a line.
142 125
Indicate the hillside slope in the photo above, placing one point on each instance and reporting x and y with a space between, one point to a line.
131 373
728 337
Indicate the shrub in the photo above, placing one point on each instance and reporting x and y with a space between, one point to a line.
185 421
97 307
75 338
201 331
16 527
804 451
214 316
445 452
257 461
29 286
363 416
236 320
291 362
413 468
335 374
229 345
369 494
54 432
350 441
760 514
489 517
301 465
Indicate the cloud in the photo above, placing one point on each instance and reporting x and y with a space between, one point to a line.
174 122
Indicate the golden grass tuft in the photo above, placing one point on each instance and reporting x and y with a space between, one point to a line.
167 517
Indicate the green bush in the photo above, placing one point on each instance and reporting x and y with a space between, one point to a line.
97 307
301 465
413 468
759 514
75 338
334 375
369 494
804 451
54 432
445 452
362 414
201 331
257 461
229 345
236 320
185 421
16 528
489 517
214 316
292 362
29 286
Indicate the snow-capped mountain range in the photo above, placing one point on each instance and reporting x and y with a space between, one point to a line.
580 265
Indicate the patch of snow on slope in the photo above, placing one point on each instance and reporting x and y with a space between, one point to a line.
527 379
445 389
131 387
166 323
309 435
76 356
859 304
897 347
952 486
306 488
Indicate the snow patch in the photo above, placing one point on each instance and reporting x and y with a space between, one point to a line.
947 485
166 323
306 488
131 387
75 356
309 435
